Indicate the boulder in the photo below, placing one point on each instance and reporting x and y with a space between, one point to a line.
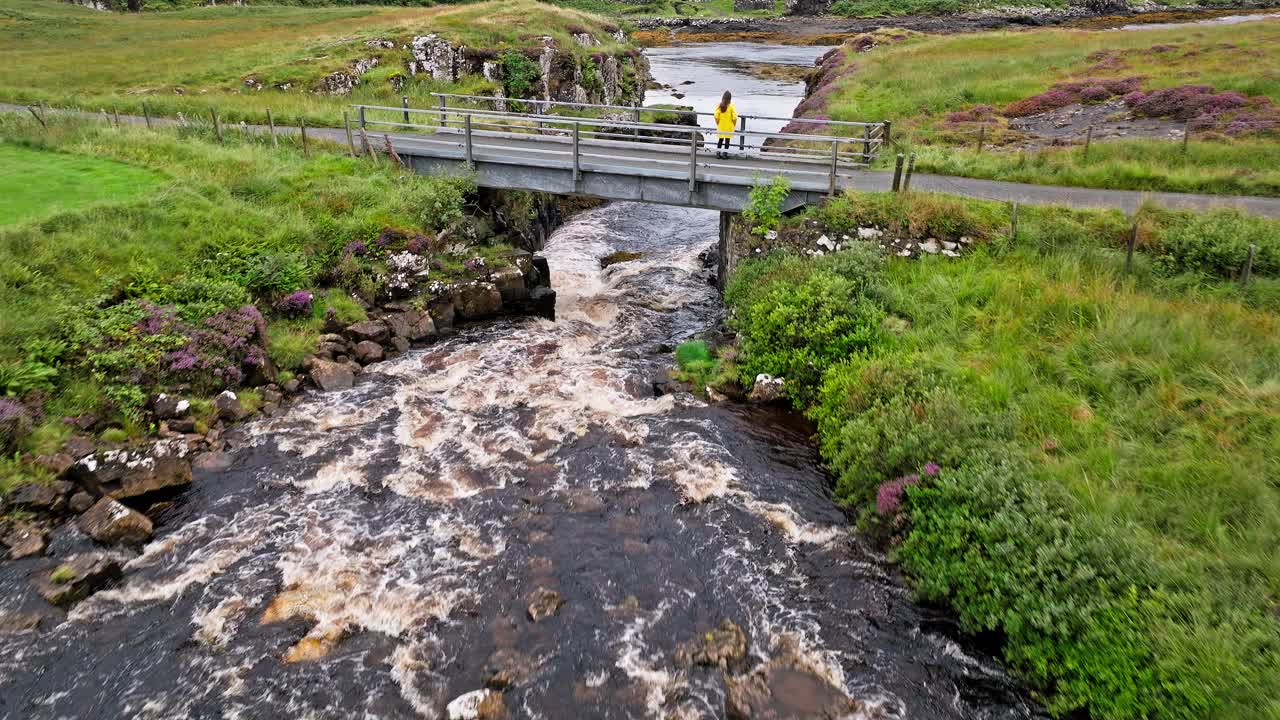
401 344
508 278
477 300
38 497
169 407
724 647
543 603
443 315
80 502
371 330
112 523
787 687
423 329
229 407
291 386
481 704
367 351
400 324
184 426
330 376
271 396
124 474
78 578
56 463
506 668
767 389
16 622
24 540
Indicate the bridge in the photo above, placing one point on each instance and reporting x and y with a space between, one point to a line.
561 148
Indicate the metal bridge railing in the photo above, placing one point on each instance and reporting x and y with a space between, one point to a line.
597 144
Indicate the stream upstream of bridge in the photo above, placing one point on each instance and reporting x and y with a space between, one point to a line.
516 506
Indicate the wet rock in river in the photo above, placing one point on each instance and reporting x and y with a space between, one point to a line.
16 622
367 351
724 647
77 579
767 389
477 300
506 668
129 473
80 502
787 687
24 539
544 603
477 705
112 523
328 375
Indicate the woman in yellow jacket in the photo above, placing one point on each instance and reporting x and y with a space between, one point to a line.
726 123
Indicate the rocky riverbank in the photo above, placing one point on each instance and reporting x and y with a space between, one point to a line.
117 493
832 30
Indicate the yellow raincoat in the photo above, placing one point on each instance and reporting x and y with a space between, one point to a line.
726 120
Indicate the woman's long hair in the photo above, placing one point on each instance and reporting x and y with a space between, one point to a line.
724 101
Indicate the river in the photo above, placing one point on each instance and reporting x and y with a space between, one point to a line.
371 553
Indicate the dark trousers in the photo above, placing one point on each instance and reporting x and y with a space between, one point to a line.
723 143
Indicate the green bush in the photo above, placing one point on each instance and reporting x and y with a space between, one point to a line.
1217 243
797 331
1075 604
695 363
764 204
520 75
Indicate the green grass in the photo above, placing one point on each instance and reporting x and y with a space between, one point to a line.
37 183
1107 442
917 82
667 8
195 59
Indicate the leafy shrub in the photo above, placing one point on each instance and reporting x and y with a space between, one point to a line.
881 419
276 273
19 378
911 214
696 364
196 298
1217 243
290 344
520 75
798 330
1075 603
440 202
764 207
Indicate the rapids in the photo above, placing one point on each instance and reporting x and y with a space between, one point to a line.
371 553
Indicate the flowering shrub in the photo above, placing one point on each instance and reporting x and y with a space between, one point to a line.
1095 94
977 113
889 496
1044 102
474 264
296 304
219 352
1204 109
355 248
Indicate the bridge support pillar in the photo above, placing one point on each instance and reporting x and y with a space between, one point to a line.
725 250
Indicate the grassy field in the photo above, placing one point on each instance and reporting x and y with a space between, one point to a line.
1081 460
36 183
104 304
919 83
191 60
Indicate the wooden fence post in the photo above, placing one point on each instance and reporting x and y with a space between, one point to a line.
1088 140
866 144
115 113
888 131
1186 135
1128 256
982 135
1248 265
911 166
1013 224
39 119
217 125
271 123
404 103
897 174
146 114
346 124
835 162
302 129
